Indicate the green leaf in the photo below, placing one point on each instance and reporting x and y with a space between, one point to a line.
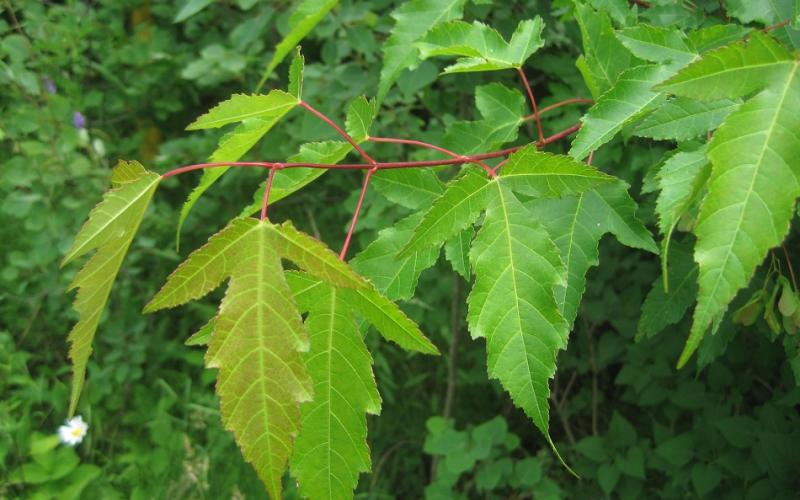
456 251
480 47
331 449
120 209
662 308
413 188
395 275
203 335
763 11
360 114
755 179
110 229
681 119
657 44
257 344
413 20
716 36
307 15
296 74
540 174
268 110
617 9
604 57
630 98
456 209
502 110
577 223
512 305
270 107
732 71
190 8
681 180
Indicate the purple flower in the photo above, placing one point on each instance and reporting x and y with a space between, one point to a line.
50 85
78 120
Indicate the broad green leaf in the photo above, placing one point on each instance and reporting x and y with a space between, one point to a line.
502 110
764 11
716 36
480 47
630 98
681 180
395 275
539 174
360 114
619 10
604 57
413 188
456 209
657 44
314 257
119 209
577 223
270 107
296 74
289 181
456 251
257 346
413 20
755 179
126 171
307 15
331 450
110 229
258 113
512 305
206 268
390 321
732 71
681 119
662 308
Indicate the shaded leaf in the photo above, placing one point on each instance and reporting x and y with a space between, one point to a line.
681 119
307 15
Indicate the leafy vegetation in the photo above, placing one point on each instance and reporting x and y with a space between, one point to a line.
690 128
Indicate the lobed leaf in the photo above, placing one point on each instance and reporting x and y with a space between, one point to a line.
732 71
540 174
630 98
512 305
755 179
681 119
577 223
480 47
270 107
413 20
110 229
657 44
456 209
413 188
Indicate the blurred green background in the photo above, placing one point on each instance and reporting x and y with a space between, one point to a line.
85 83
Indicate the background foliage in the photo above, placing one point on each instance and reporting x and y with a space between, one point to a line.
139 72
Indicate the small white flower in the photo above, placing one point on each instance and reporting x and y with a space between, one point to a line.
73 430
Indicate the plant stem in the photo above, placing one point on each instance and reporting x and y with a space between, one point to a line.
338 129
379 165
357 211
265 203
422 144
544 110
789 265
533 103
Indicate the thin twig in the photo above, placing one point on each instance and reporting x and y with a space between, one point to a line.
265 203
434 147
529 90
357 211
338 129
789 265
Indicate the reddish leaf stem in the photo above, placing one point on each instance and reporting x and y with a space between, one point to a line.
529 90
422 144
265 203
642 3
338 129
380 165
577 100
776 26
356 213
